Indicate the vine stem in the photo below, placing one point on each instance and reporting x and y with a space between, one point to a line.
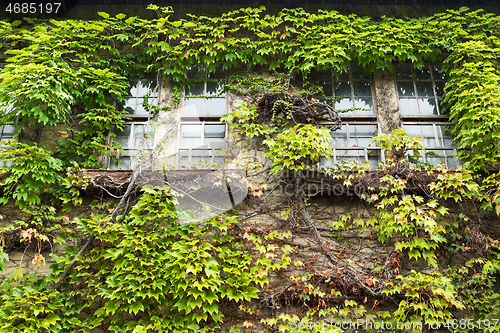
103 224
326 250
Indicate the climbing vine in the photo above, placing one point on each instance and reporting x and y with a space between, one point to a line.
142 271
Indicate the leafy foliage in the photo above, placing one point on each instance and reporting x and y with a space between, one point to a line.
147 273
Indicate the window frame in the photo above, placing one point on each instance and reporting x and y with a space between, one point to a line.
420 119
352 119
202 119
134 120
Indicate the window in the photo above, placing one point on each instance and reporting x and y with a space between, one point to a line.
351 90
351 143
137 137
134 105
7 132
420 91
137 141
202 137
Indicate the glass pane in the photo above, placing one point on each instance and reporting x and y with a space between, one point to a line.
146 86
215 131
218 74
126 131
124 165
341 75
427 106
424 89
193 107
447 142
129 106
436 157
215 142
423 73
324 80
364 103
143 136
365 130
437 73
363 142
358 72
362 88
215 89
191 142
141 110
413 130
429 142
195 89
202 153
344 103
192 131
215 106
439 86
342 88
196 72
8 131
403 71
406 89
408 106
452 162
122 141
133 88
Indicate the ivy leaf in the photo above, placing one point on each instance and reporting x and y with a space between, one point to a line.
136 307
103 14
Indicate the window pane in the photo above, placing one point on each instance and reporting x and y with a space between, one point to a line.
133 88
408 106
192 131
215 89
358 72
423 73
362 88
8 131
363 142
193 107
342 88
140 108
413 130
196 72
424 89
341 75
324 80
215 106
439 86
344 103
214 142
129 106
146 86
126 131
364 103
365 130
403 71
122 141
191 142
406 89
437 73
427 106
215 131
436 157
196 89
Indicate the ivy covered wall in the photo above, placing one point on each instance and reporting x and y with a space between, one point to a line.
285 255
